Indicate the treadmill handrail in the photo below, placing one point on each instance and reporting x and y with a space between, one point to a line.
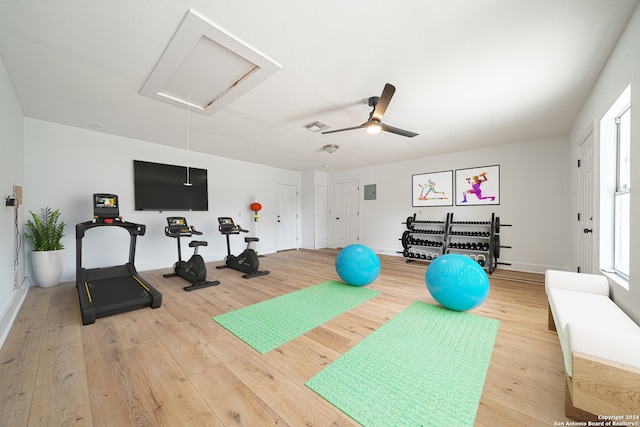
134 230
131 227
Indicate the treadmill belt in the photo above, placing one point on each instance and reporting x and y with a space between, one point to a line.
117 295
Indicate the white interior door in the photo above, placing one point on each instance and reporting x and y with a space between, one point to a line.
347 212
585 205
287 217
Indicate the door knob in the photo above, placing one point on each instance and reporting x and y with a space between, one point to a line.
588 230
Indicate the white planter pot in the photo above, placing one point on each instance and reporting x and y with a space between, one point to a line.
47 267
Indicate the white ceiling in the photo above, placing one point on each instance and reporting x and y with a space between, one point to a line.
467 73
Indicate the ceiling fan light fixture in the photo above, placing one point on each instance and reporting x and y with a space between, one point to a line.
373 127
374 124
330 148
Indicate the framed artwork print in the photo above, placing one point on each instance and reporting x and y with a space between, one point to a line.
432 189
478 186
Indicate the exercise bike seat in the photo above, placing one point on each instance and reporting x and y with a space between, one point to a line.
251 239
195 243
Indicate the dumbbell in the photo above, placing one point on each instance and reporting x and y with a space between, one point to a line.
481 260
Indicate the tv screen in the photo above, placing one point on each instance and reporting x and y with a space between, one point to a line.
160 187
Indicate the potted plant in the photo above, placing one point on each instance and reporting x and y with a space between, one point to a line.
47 258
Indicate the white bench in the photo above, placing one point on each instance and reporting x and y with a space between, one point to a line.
600 346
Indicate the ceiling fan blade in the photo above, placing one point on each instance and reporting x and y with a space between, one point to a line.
342 130
397 131
383 102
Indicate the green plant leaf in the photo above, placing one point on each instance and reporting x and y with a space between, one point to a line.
45 231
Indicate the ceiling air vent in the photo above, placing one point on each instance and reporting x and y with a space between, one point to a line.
316 126
206 68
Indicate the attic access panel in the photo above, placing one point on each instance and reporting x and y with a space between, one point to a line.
206 68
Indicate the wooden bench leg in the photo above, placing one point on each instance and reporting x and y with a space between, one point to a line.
571 411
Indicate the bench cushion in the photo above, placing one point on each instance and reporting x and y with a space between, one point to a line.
592 283
611 345
590 311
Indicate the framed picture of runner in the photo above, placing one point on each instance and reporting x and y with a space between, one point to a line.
432 189
478 186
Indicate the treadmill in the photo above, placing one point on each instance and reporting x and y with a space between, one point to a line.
107 291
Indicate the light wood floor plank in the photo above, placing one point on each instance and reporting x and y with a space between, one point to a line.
240 405
61 391
165 389
20 355
190 353
115 401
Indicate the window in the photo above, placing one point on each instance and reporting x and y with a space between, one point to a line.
615 189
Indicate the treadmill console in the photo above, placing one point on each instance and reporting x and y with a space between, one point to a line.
105 207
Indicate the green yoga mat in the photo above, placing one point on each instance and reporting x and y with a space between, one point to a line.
425 367
269 324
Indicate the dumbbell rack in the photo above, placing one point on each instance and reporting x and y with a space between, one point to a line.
479 240
424 240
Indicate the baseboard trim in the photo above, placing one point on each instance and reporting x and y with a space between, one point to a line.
10 312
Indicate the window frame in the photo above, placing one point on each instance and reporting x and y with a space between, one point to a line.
622 190
609 186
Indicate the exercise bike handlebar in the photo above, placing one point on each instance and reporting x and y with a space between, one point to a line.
183 232
231 229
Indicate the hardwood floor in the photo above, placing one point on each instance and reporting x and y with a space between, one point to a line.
174 366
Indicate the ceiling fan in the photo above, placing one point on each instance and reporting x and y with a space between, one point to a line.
374 124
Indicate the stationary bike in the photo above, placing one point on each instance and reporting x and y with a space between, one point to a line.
194 270
247 262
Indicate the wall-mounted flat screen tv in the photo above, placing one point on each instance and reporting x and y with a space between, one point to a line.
160 187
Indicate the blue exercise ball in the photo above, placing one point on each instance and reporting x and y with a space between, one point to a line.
357 265
457 282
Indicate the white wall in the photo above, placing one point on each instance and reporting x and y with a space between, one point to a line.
534 198
64 166
11 173
622 69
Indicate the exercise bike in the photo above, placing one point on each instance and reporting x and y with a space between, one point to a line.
194 270
247 262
